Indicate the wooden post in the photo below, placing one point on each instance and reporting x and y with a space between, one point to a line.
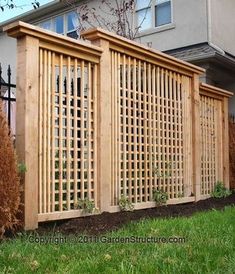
27 124
196 167
104 126
225 143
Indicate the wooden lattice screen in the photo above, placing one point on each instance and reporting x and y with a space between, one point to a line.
109 118
151 130
211 143
66 131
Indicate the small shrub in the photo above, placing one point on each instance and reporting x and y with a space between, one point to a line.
125 204
220 191
86 205
159 196
9 179
22 168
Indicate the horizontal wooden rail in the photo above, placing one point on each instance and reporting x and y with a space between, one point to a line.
57 42
209 90
142 52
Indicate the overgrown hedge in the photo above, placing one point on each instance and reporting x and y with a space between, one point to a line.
9 178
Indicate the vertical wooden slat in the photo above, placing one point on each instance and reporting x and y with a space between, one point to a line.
124 125
187 137
145 133
190 163
89 130
177 151
210 144
163 122
116 106
135 129
53 80
185 129
113 129
82 128
180 140
158 167
61 133
207 145
171 155
167 99
140 130
129 127
40 129
75 98
68 160
95 140
45 133
202 143
213 141
196 141
150 132
48 94
154 132
118 128
226 143
219 142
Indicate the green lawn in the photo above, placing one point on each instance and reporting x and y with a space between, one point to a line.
209 248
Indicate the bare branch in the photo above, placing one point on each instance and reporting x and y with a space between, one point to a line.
116 16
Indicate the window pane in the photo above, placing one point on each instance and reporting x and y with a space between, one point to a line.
163 14
141 4
72 21
46 25
59 24
144 19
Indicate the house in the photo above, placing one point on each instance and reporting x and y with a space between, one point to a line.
201 32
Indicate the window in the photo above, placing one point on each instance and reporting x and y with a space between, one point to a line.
162 12
72 23
63 24
144 14
46 25
59 24
153 13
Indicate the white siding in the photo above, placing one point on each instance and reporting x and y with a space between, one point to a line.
8 55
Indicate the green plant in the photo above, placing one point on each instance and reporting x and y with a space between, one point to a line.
22 168
160 196
158 171
220 191
86 205
180 195
125 204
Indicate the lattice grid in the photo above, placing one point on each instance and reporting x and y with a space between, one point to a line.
67 128
151 130
211 154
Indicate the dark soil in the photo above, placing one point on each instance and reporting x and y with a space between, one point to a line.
100 224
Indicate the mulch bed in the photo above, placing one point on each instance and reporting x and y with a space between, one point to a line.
105 222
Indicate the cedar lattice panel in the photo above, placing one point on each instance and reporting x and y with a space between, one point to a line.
211 135
66 132
151 130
